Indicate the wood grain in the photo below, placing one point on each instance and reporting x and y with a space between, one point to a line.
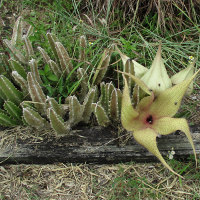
95 145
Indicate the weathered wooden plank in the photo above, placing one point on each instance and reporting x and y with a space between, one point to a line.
94 145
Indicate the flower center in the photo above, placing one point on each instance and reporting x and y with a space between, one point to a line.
149 119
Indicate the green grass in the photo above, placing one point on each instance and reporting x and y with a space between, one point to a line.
128 184
142 38
61 18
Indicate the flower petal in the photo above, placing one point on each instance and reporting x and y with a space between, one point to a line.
156 78
167 125
138 68
147 138
145 103
183 75
129 68
128 113
168 102
141 84
123 56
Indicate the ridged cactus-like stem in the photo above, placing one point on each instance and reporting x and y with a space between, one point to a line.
109 87
34 70
52 39
106 90
102 98
119 94
82 75
30 31
100 114
57 123
10 91
21 81
64 59
102 67
4 58
36 93
82 54
87 105
16 53
75 110
7 121
44 55
28 47
55 68
17 32
114 107
2 70
2 96
136 95
52 103
33 118
129 68
13 110
16 66
109 103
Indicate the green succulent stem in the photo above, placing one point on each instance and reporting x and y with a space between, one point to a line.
10 91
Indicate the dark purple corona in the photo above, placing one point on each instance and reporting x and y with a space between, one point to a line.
149 119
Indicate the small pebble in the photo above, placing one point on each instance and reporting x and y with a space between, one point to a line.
194 98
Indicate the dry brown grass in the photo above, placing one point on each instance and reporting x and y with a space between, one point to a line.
79 182
171 14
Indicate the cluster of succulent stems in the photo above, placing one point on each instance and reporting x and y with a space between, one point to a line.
149 100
